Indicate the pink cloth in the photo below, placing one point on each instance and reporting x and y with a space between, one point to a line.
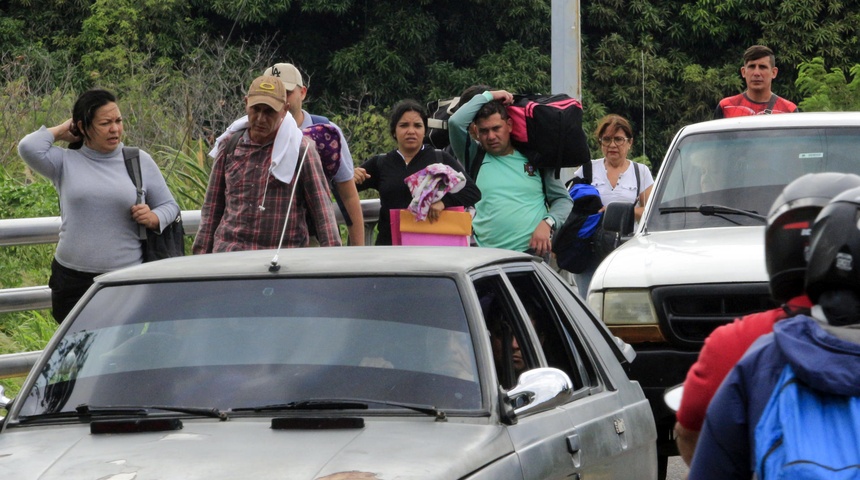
430 184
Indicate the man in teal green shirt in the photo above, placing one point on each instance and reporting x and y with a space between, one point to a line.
520 205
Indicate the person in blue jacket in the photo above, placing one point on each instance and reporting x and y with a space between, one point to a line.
822 349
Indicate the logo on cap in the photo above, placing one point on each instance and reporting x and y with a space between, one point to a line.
266 86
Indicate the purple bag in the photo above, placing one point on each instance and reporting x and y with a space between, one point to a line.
327 140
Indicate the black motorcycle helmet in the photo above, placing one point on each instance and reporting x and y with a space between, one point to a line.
834 249
789 223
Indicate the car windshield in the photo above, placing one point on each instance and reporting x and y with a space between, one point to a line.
250 342
710 175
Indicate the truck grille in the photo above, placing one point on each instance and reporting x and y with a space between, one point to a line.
689 313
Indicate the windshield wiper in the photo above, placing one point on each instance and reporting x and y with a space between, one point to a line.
341 404
143 410
716 210
84 410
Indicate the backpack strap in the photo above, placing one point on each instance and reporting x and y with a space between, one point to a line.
230 147
317 119
638 181
770 104
586 178
476 163
131 155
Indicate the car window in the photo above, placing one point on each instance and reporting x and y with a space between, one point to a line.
560 343
513 351
525 326
744 170
250 342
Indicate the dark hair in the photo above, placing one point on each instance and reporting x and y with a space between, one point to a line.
85 110
401 108
611 123
491 108
469 93
759 51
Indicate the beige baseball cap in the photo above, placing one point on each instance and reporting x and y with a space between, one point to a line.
289 75
267 90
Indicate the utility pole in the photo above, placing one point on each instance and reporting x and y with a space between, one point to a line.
566 48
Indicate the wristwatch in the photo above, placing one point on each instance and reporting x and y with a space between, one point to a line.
550 221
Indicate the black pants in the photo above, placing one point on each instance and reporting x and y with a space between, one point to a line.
67 287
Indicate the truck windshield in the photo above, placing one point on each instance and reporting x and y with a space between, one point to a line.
731 178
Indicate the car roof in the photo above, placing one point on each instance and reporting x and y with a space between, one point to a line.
316 261
793 120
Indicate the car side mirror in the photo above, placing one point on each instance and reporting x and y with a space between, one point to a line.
618 218
626 349
540 389
672 397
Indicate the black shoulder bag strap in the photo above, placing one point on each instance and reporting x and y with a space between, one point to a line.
131 155
638 182
476 163
586 178
230 147
770 104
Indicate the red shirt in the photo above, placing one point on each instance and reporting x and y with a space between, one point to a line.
722 350
740 105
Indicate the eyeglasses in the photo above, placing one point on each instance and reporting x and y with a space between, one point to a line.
607 141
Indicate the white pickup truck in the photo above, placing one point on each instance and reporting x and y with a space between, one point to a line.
696 259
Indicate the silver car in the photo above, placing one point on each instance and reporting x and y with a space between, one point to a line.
331 363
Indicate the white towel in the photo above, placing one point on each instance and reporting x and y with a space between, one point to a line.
285 151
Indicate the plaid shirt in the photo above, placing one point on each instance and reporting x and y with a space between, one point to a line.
231 218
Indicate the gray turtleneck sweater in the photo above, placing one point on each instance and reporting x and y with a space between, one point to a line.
97 233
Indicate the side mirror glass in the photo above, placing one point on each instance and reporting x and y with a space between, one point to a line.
540 389
673 395
626 349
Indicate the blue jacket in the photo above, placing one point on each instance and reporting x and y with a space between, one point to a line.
821 360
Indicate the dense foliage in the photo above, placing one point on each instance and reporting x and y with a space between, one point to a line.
666 61
181 67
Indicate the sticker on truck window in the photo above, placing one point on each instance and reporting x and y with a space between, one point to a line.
811 155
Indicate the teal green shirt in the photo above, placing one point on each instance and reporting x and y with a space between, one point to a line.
512 203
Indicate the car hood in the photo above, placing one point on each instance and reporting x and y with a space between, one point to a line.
712 255
249 448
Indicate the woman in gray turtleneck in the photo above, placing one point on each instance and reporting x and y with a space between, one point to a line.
99 218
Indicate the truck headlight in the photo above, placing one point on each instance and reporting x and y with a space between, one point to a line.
628 307
629 314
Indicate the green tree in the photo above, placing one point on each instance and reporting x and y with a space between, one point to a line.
825 91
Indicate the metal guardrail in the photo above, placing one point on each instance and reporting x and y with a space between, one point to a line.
14 365
34 231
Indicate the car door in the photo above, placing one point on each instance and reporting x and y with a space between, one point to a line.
607 431
540 439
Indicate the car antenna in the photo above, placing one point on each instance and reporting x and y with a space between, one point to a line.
275 266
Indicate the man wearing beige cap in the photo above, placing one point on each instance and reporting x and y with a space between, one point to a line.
253 177
346 192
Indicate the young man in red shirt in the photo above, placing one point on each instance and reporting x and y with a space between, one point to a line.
758 71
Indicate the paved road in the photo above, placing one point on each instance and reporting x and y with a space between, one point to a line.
677 469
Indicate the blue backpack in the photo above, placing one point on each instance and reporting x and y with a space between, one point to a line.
804 433
572 244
